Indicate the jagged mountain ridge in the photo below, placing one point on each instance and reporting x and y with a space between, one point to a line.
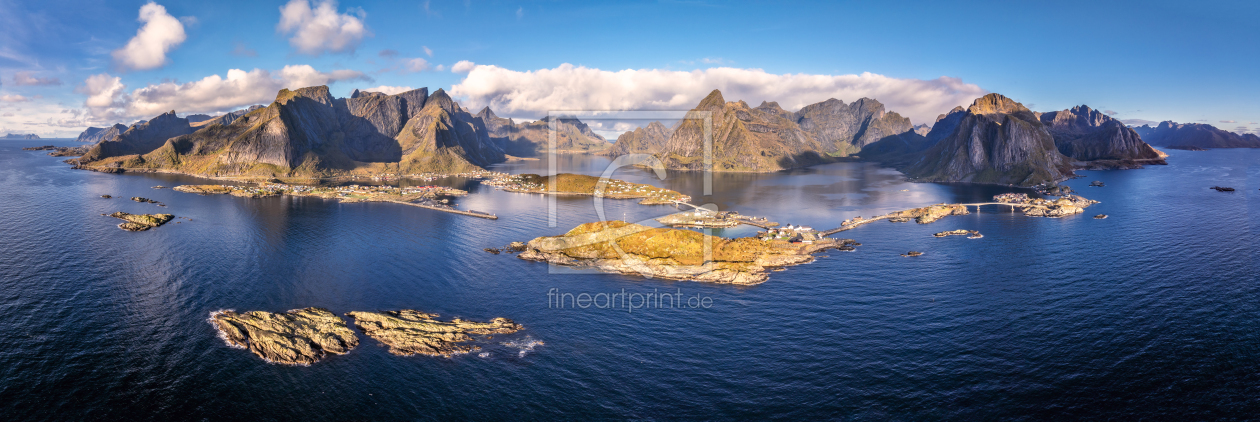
308 133
94 135
743 139
1087 135
532 138
1194 135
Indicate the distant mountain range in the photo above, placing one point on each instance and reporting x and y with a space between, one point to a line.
21 136
1195 136
308 133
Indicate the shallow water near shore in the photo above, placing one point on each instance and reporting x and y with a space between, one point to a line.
1154 311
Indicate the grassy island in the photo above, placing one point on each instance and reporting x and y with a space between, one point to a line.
676 254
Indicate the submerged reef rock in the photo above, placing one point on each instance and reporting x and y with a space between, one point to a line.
141 222
296 337
409 332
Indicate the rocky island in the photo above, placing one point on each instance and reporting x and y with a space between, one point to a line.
409 332
296 337
579 184
140 222
674 254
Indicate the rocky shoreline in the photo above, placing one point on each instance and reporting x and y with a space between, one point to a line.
296 337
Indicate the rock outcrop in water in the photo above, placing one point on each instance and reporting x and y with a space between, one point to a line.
1097 140
308 133
1191 136
409 332
296 337
141 222
534 138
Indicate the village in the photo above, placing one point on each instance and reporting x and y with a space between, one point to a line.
431 197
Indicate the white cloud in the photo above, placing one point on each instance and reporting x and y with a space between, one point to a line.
13 98
520 12
390 90
107 100
427 50
26 79
463 66
322 29
415 65
1228 121
160 34
1138 122
569 87
440 68
1111 112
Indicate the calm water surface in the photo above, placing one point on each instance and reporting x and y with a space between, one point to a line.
1152 312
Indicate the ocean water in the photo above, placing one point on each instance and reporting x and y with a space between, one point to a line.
1151 313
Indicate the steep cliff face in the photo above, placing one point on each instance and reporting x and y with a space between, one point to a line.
308 133
533 138
997 140
1195 135
140 138
744 139
648 139
225 118
97 134
444 137
1087 135
844 129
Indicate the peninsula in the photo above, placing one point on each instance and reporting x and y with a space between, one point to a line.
431 197
583 185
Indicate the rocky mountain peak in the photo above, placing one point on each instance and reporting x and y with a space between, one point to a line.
995 104
319 94
712 102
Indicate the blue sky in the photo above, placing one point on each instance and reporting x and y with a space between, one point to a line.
1187 62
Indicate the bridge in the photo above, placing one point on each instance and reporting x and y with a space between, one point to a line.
886 216
742 219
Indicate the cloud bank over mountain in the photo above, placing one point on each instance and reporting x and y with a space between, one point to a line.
569 87
108 100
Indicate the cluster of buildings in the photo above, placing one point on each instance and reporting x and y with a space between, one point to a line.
791 233
1011 198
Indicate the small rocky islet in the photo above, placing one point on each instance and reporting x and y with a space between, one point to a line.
306 336
410 332
140 222
971 234
296 337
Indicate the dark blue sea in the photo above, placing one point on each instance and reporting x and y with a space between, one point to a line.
1153 313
